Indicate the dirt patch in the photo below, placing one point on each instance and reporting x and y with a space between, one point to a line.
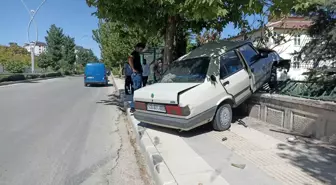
145 176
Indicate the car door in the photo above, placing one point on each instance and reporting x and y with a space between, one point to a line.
255 64
234 77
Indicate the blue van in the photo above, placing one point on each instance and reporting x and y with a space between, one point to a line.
95 73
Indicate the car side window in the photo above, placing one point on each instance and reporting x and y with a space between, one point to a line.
230 63
248 53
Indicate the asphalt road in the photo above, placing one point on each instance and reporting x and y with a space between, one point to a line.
56 132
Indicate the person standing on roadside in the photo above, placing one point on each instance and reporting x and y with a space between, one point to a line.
128 79
145 73
134 61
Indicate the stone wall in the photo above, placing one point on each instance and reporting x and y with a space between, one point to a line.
309 117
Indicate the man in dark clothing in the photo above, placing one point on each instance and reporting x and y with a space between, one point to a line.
134 61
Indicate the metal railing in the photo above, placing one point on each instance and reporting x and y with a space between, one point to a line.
304 89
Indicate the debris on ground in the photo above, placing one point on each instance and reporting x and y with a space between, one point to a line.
241 166
241 122
290 133
292 139
156 140
224 138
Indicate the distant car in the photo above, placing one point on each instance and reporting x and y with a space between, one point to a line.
95 73
204 85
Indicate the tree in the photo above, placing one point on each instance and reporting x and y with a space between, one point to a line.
91 56
44 61
14 58
167 17
85 56
68 54
54 39
116 41
323 33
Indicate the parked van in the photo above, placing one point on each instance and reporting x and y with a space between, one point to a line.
95 73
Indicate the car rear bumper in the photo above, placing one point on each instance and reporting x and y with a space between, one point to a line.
95 82
176 123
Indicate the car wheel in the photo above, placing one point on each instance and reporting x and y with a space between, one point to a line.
223 118
273 78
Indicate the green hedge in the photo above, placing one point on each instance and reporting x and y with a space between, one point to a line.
18 77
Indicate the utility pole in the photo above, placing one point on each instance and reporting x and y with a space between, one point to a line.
32 45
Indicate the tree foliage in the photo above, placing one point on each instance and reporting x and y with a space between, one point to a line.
44 61
173 18
14 58
62 52
85 56
55 39
323 33
116 41
69 54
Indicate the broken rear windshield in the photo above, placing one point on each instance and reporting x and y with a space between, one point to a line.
187 71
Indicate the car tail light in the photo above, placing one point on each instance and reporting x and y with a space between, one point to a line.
140 105
177 110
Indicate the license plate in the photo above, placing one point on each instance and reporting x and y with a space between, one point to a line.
90 77
156 108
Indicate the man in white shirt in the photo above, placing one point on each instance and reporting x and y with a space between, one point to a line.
145 72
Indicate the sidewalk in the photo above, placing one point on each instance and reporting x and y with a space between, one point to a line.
203 156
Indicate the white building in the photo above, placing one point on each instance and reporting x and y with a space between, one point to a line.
288 35
40 47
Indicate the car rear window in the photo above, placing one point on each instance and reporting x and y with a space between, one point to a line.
187 71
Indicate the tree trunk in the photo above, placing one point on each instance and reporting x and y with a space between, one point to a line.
180 47
169 41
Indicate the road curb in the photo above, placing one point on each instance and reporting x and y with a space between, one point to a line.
113 82
155 162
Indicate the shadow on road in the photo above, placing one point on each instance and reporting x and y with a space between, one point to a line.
316 160
203 129
191 133
114 99
98 85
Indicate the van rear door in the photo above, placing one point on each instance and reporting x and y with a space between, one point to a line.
95 72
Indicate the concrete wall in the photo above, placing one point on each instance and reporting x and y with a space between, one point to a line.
317 118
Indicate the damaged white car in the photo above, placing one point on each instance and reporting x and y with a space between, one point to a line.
204 85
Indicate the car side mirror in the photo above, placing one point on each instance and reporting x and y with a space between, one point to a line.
213 78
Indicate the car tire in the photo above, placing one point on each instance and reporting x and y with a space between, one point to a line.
272 83
223 118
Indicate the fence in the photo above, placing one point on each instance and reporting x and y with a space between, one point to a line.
321 86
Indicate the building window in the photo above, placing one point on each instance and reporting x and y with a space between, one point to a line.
297 40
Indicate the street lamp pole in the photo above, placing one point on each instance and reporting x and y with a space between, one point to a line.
32 14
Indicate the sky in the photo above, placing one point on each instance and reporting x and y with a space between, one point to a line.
74 16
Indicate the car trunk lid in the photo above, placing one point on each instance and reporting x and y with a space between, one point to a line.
163 93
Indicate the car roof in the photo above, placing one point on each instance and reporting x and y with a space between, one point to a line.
213 49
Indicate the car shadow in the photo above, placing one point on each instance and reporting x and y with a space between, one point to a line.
203 129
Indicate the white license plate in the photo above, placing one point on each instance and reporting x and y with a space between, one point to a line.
90 77
156 108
